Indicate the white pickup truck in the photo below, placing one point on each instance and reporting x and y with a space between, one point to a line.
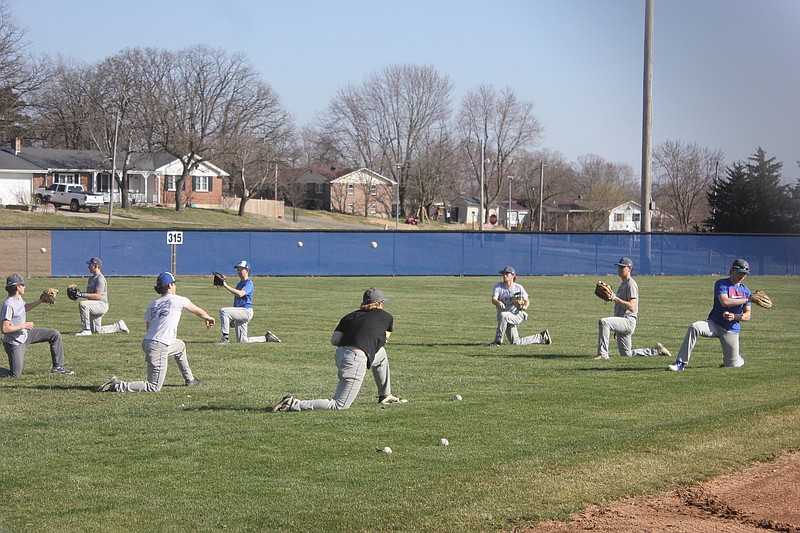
68 194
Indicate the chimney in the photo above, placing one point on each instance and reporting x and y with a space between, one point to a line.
17 146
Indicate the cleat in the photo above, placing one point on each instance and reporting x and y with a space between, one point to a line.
495 344
223 341
391 398
662 350
84 333
193 382
601 356
109 386
123 327
271 337
547 338
283 405
677 366
62 370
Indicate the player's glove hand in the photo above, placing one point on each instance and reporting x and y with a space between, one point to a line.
519 301
219 279
49 296
761 299
73 292
604 291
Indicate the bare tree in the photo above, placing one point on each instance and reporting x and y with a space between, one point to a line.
501 124
529 171
683 175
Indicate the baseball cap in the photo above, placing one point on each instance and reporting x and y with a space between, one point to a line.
165 278
624 262
242 264
740 265
14 279
95 261
509 270
373 296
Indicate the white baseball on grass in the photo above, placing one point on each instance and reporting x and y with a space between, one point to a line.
385 449
373 244
457 397
44 250
444 442
299 244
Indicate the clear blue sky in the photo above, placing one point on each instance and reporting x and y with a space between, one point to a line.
726 72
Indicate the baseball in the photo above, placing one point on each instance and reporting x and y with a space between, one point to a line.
374 244
444 442
457 397
385 449
44 250
299 244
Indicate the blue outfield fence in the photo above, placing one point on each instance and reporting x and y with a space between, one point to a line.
417 253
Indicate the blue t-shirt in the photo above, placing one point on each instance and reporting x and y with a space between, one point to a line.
245 301
725 286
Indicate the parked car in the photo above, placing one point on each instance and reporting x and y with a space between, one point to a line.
68 194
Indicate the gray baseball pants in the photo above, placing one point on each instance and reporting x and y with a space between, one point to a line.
624 328
507 323
352 368
240 317
16 352
92 312
729 340
156 355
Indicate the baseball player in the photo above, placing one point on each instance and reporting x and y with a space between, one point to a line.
731 306
162 318
18 333
623 323
242 311
509 314
359 337
95 306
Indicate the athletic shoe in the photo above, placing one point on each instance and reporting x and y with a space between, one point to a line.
547 338
62 370
271 337
391 399
677 366
123 327
495 344
109 386
283 405
223 341
84 333
193 382
601 356
662 350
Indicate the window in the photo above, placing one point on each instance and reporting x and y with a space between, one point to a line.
373 190
319 188
350 188
637 217
201 183
351 209
101 183
373 209
66 178
169 183
619 217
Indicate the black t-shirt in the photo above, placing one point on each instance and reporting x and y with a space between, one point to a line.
365 330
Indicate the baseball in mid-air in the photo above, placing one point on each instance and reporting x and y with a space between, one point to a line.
457 397
385 449
444 442
374 244
299 244
44 250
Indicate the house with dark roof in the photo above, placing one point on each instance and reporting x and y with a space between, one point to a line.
152 176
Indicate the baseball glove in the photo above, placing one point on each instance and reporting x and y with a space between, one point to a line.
219 279
49 296
519 301
73 291
603 291
761 299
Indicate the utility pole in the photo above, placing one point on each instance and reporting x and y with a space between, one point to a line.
647 126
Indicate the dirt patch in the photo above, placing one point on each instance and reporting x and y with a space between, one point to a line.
762 498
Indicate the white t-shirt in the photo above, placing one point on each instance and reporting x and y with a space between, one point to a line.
14 311
162 318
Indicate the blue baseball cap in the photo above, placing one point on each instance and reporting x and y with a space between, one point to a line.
165 278
740 265
95 261
14 279
242 264
624 262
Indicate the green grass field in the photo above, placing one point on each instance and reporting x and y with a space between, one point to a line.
541 430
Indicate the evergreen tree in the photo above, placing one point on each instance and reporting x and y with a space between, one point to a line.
751 198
